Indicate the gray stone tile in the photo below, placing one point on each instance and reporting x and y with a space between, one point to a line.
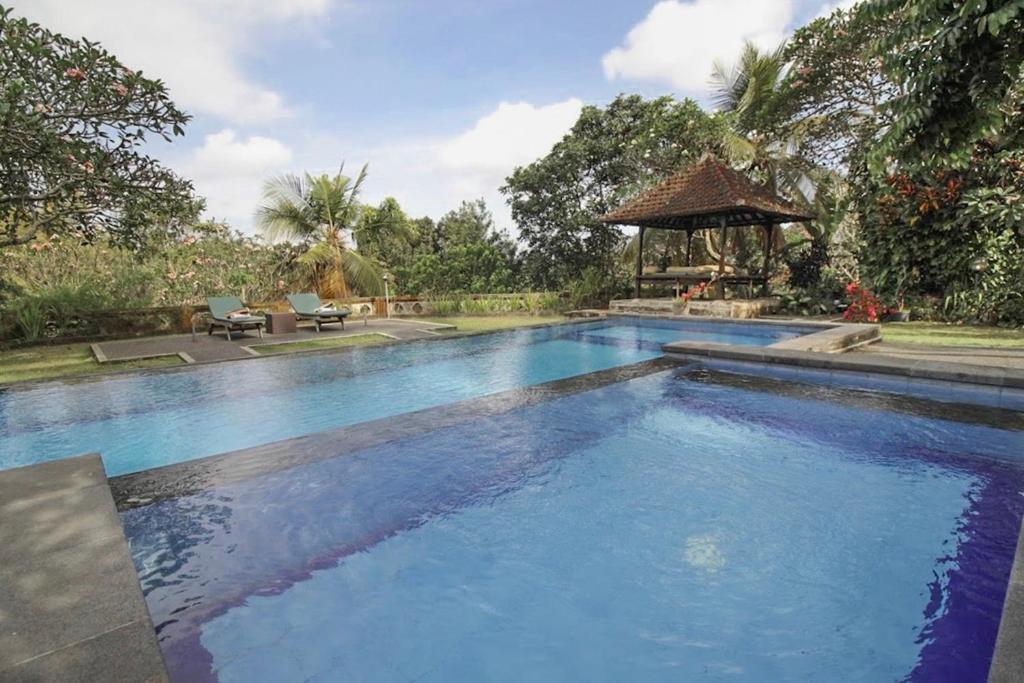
129 653
1008 660
57 599
57 476
34 526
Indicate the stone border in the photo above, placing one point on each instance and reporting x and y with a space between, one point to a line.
73 608
1008 659
868 363
815 325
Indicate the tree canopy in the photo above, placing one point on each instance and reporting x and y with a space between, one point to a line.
609 154
73 120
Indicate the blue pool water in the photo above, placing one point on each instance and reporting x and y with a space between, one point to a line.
667 528
147 420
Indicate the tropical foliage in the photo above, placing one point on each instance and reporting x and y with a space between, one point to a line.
607 156
321 212
73 122
899 124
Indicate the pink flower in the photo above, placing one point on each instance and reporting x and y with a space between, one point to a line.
119 89
75 73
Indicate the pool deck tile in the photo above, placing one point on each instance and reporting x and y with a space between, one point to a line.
1008 661
72 608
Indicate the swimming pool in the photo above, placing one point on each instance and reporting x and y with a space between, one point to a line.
145 420
679 525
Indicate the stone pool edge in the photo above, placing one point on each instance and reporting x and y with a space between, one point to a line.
62 538
1008 659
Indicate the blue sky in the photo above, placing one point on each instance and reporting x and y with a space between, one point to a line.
441 97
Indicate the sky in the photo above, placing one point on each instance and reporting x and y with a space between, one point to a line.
441 98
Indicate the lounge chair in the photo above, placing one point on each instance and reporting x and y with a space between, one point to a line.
309 307
229 313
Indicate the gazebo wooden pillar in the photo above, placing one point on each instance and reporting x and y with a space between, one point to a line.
707 195
639 259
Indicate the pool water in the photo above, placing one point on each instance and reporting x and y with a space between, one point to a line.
666 528
146 420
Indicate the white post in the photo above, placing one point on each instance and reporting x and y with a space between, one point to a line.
387 300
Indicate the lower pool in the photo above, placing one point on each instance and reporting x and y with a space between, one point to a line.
671 527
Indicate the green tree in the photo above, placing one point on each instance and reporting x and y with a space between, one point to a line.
943 191
320 211
610 154
470 223
758 138
386 234
958 65
475 268
73 121
835 84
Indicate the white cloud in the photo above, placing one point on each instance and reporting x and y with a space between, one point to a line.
511 135
476 162
196 46
431 177
678 42
230 171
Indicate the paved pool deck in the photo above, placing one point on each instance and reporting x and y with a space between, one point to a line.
71 608
205 348
993 357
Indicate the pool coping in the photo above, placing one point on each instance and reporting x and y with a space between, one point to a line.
867 363
74 606
1008 658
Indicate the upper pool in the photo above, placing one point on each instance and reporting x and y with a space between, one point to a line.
144 420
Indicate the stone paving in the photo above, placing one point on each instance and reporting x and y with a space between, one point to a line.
988 356
70 604
204 347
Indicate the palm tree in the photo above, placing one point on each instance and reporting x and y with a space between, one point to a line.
759 138
321 211
764 138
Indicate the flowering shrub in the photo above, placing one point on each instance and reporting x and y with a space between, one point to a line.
863 306
696 291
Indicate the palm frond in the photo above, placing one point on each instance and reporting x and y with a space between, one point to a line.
285 211
361 273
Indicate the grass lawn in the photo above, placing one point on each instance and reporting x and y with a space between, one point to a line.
483 323
951 335
335 342
43 362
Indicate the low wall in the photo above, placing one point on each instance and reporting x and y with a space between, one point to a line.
716 308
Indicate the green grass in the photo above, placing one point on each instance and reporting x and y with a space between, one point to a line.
69 360
332 343
484 323
939 334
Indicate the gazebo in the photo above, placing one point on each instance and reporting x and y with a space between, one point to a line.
706 196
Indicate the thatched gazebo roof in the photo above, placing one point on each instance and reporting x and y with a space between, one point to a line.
705 195
700 196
